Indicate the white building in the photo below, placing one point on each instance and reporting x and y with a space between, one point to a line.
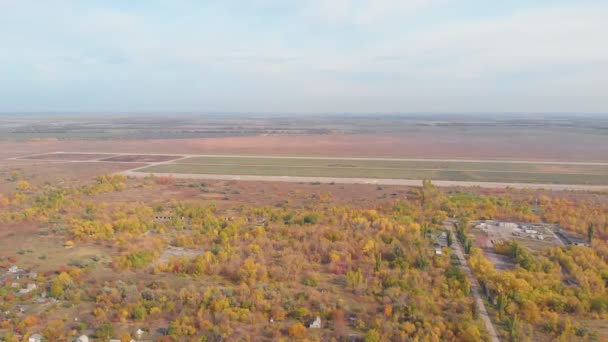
35 338
316 324
139 333
28 289
507 225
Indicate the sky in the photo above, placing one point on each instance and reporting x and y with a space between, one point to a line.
339 56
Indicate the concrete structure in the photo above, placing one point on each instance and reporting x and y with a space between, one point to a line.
510 225
139 333
316 324
35 338
82 338
571 239
29 288
162 218
442 239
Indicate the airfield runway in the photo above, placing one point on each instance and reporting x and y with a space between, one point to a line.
380 181
150 160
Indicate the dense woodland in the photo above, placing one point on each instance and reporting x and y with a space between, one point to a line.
253 273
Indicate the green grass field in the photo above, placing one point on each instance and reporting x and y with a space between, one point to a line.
394 169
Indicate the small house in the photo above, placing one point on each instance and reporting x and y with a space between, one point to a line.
13 269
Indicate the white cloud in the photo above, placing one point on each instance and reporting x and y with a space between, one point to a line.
569 35
364 12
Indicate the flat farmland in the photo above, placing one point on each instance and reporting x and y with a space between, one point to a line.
140 158
474 171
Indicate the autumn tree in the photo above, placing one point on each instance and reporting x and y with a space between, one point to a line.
54 331
339 322
105 331
297 330
23 185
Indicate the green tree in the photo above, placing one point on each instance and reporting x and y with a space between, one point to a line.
139 314
511 325
10 337
355 280
590 232
105 331
56 290
372 336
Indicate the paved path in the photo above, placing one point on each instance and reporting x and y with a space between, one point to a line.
475 289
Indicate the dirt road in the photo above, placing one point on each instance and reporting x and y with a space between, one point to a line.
475 288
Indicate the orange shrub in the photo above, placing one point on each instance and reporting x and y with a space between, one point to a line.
297 330
30 321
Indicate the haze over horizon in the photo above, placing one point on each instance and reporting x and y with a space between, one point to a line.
303 57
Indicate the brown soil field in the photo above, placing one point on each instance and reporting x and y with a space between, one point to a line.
450 145
141 158
57 173
66 156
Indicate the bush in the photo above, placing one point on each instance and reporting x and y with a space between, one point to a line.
139 259
310 281
297 330
372 336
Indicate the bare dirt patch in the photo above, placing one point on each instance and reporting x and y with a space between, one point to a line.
67 156
58 173
172 252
